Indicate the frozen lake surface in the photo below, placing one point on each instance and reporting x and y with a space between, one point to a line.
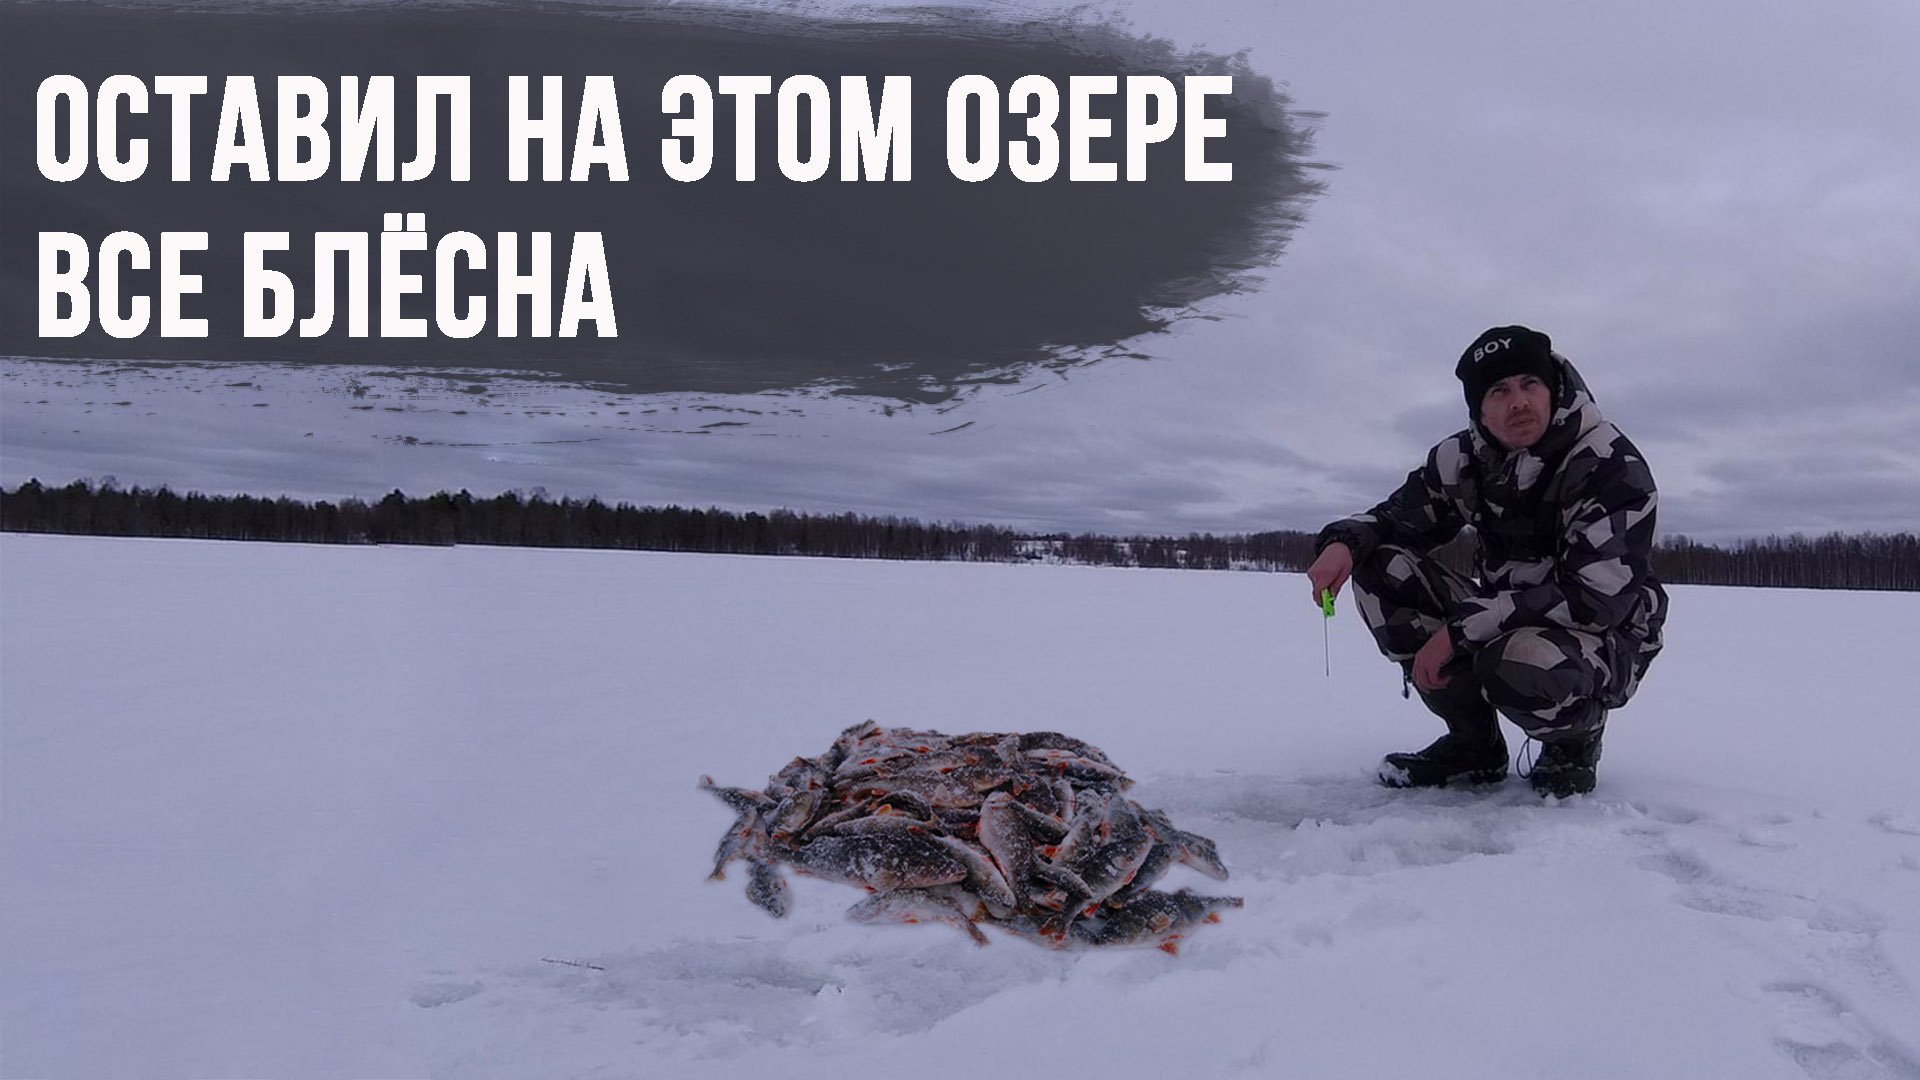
286 811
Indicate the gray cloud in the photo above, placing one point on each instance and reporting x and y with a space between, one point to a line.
1827 492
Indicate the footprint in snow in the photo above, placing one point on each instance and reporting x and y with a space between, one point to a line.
1829 1041
1290 828
1705 888
1668 813
1828 933
1899 823
1765 839
1768 831
780 992
432 995
1683 866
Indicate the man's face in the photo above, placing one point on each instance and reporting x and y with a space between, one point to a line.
1516 410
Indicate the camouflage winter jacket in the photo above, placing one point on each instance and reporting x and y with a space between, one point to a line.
1565 530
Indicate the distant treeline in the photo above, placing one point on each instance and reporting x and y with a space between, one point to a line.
1836 561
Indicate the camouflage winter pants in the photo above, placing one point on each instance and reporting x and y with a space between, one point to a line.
1547 680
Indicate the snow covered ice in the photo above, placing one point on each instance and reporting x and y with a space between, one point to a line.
286 811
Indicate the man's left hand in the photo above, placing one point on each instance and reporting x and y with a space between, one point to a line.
1430 659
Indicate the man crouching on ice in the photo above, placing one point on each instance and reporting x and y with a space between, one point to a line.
1566 613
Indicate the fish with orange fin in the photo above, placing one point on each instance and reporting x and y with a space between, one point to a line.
935 905
1029 831
1154 918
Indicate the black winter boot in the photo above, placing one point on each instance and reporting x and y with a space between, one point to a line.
1448 760
1471 752
1566 766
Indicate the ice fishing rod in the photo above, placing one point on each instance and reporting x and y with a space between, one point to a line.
1326 634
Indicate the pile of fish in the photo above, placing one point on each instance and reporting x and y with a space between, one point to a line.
1027 831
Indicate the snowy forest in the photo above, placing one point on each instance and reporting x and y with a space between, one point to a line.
1835 561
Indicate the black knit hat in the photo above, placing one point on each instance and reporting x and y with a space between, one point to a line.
1504 351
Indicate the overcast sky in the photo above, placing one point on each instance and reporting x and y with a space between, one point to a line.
1711 207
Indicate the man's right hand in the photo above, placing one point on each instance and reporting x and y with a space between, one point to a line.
1331 570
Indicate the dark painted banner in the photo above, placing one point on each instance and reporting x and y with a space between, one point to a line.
904 217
